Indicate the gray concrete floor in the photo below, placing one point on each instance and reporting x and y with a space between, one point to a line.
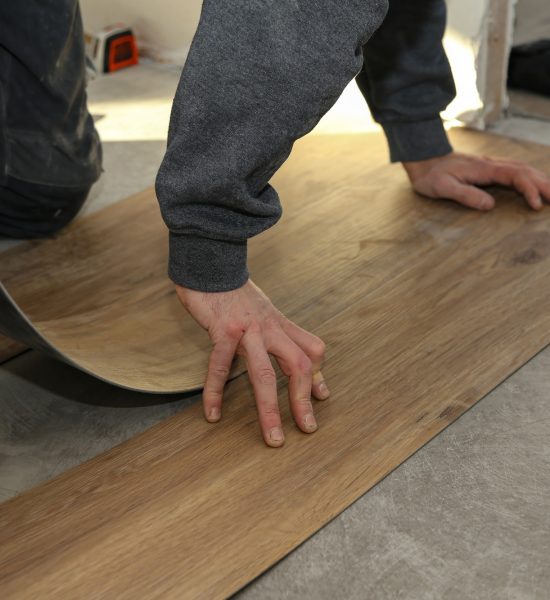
466 517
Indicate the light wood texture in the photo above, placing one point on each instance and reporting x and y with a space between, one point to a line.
9 348
110 307
112 311
432 306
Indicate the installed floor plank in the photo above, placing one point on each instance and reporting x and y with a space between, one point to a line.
435 305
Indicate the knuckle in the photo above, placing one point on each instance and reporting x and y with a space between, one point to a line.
270 410
220 370
304 403
254 326
234 330
318 348
271 322
303 365
439 179
518 179
266 376
440 184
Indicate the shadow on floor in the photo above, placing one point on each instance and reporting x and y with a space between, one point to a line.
60 379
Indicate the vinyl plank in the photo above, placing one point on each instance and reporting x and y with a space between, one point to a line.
434 306
112 311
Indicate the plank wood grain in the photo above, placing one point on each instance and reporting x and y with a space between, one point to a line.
112 311
435 305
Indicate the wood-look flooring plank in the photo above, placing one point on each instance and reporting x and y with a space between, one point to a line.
441 305
112 311
100 310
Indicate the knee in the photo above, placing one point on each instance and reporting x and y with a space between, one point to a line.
29 211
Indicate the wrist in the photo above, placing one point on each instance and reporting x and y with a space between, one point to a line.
418 168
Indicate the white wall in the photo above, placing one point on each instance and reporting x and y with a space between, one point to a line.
164 28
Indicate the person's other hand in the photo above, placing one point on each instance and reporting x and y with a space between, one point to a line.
456 177
245 322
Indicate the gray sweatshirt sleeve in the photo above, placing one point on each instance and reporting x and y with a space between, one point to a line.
259 75
407 81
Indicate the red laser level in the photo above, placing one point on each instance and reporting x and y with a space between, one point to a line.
112 48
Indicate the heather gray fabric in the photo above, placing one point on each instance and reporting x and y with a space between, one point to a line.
407 81
259 75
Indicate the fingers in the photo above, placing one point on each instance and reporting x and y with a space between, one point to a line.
467 195
524 179
219 367
315 349
457 177
543 182
529 190
532 184
264 381
298 367
244 322
544 186
299 358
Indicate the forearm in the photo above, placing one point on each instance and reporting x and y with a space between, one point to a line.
259 75
407 81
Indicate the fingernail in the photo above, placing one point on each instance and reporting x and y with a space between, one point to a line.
214 414
310 423
276 435
323 390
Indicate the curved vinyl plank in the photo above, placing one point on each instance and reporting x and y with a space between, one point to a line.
98 298
102 357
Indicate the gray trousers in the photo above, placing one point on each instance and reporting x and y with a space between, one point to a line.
50 152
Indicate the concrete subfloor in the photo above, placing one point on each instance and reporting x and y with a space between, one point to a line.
466 517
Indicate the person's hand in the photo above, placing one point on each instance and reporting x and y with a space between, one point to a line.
456 177
245 322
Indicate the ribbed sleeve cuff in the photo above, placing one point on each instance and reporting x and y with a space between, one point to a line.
417 140
207 265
